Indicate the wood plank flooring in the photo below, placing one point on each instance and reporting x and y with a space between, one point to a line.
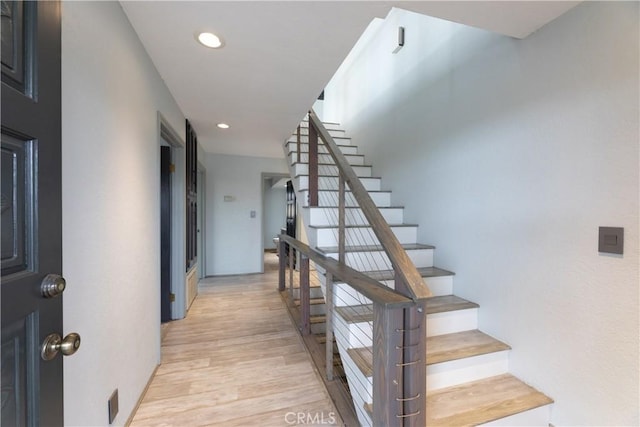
236 360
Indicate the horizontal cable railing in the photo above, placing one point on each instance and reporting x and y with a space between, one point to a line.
382 343
406 273
388 343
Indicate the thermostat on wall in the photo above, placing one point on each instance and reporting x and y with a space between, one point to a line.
229 198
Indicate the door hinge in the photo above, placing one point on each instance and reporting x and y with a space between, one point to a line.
172 167
172 297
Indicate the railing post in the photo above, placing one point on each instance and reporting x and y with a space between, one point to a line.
341 217
415 369
282 265
291 260
414 354
329 326
313 165
387 374
305 295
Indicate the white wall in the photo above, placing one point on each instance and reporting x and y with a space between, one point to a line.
510 154
275 212
111 94
234 239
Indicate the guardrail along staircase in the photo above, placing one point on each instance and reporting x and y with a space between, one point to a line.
418 328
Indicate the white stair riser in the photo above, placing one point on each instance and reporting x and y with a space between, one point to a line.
359 236
345 295
359 334
292 147
328 198
314 292
455 372
378 260
335 126
338 139
360 388
439 286
534 417
452 321
351 335
331 183
329 170
440 375
326 158
329 216
332 132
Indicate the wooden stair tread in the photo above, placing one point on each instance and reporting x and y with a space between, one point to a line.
307 143
371 248
446 303
441 304
319 318
312 301
425 272
441 348
346 191
333 164
360 226
334 176
482 401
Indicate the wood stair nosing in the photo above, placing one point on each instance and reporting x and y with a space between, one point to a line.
332 164
480 402
441 348
441 304
319 318
370 248
333 176
347 191
312 301
425 272
359 226
322 154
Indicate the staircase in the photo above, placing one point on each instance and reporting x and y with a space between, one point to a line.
467 380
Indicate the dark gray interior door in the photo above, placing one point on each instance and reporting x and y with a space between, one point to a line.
31 215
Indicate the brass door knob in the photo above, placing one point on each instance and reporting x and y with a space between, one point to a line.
54 343
52 285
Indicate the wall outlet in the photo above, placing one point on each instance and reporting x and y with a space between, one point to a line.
113 406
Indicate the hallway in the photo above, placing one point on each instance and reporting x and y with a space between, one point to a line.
236 360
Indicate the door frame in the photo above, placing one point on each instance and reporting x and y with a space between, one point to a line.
202 223
263 178
168 134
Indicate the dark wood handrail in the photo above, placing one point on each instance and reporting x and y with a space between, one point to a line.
405 270
367 286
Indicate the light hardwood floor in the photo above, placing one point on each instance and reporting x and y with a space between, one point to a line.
236 360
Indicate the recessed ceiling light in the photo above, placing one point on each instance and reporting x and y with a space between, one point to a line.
223 126
210 40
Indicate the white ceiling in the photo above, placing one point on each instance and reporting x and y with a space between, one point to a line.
279 55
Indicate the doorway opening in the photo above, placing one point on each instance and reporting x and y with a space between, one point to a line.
165 231
274 206
172 229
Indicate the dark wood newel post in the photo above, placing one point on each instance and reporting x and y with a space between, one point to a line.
387 377
313 165
414 355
